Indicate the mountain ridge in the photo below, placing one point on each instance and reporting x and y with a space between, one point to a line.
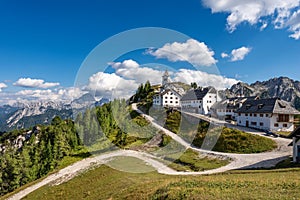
282 87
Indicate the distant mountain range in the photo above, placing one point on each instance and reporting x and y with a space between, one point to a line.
26 115
282 87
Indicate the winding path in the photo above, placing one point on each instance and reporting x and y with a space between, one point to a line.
239 161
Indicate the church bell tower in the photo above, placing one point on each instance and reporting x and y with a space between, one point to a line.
165 78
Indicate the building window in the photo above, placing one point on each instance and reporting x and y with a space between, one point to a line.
250 114
246 115
171 97
255 115
176 102
239 114
267 115
283 118
166 101
261 115
166 97
209 96
176 97
171 93
276 125
261 124
284 125
171 101
253 123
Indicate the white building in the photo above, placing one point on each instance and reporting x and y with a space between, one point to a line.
199 100
168 94
267 114
226 109
295 135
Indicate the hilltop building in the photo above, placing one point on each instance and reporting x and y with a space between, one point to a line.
200 100
267 114
168 94
226 109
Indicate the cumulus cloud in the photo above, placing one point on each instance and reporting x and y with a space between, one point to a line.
59 95
240 53
192 51
237 54
130 69
224 55
66 94
70 93
111 85
2 85
204 79
279 12
294 24
34 83
39 94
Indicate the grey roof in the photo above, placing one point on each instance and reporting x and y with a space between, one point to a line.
273 105
242 98
197 94
232 103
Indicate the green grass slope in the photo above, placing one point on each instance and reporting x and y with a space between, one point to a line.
107 183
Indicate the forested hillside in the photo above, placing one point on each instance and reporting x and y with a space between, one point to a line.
26 155
38 155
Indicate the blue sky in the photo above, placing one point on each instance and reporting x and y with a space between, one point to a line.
49 40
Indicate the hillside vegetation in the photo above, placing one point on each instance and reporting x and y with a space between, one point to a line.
40 154
229 140
98 184
63 142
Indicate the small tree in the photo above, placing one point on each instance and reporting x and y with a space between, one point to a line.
194 85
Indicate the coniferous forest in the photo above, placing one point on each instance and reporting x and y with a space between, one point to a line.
27 155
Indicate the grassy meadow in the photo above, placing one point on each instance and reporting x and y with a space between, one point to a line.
107 183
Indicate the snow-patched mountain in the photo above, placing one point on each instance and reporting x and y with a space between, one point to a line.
282 87
29 114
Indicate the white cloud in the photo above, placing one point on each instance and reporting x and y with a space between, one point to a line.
39 94
279 12
224 55
263 26
204 79
239 54
34 83
294 24
70 93
2 85
111 85
57 95
130 69
192 51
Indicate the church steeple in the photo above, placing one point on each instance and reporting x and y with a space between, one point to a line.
165 78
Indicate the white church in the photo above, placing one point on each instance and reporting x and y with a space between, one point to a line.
172 94
168 94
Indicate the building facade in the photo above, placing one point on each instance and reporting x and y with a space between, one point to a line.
295 135
168 94
267 114
226 109
199 100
